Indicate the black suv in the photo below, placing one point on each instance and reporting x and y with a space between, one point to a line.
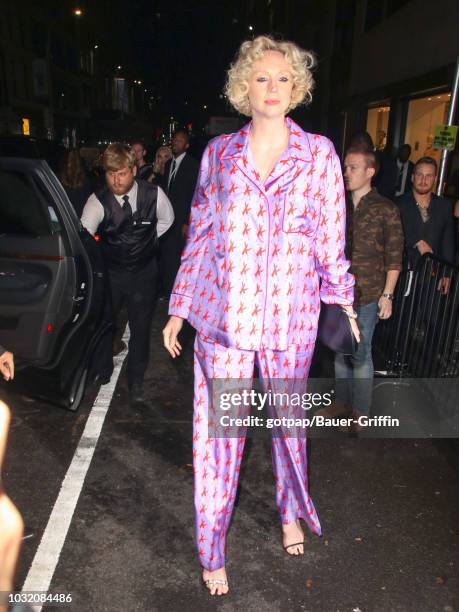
28 147
52 284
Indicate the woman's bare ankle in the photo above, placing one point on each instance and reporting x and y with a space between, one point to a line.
293 538
216 581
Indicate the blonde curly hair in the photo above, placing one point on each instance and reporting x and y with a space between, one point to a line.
301 62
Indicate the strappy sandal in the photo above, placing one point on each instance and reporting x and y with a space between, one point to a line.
214 582
296 544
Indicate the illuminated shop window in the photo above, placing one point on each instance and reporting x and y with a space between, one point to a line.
424 114
377 124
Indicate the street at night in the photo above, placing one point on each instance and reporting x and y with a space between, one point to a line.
388 511
229 306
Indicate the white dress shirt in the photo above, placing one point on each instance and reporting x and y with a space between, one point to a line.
93 212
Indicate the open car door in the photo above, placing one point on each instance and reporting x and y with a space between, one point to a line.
51 284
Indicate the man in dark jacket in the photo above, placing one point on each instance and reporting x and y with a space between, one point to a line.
405 169
179 182
427 218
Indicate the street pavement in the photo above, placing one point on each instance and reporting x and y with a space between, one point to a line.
388 509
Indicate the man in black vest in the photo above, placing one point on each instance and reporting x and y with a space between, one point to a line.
129 215
179 182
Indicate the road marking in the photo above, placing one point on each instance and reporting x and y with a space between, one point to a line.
47 556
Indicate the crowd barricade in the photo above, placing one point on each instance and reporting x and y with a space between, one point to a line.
421 339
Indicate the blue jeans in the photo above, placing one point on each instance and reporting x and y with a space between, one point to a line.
354 375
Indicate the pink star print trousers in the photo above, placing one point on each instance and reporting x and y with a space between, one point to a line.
217 460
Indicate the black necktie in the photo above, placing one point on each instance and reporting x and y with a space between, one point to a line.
400 179
171 175
127 210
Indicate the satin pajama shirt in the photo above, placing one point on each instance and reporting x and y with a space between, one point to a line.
258 260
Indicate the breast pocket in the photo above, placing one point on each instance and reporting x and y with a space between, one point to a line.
300 215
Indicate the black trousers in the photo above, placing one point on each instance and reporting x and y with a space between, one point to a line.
171 246
138 291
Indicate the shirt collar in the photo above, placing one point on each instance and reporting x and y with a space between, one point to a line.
178 159
368 198
132 194
373 193
299 145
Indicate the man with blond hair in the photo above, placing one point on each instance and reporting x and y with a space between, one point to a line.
129 215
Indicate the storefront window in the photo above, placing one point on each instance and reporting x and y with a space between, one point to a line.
424 114
377 124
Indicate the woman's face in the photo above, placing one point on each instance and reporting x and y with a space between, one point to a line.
162 156
270 85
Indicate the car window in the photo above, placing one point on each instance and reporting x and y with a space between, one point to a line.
18 147
23 209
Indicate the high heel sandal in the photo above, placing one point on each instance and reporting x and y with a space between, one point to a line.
213 581
296 544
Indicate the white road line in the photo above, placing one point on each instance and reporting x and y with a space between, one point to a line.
47 556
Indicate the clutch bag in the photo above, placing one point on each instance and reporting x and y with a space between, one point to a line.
335 329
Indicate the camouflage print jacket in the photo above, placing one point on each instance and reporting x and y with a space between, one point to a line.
374 244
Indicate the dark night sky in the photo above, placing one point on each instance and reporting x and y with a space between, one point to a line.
182 48
170 44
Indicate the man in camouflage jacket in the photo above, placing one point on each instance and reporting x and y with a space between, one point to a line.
374 244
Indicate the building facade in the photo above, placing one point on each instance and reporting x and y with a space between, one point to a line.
57 83
402 68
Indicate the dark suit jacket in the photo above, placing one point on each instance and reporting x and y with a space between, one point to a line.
182 188
409 174
438 231
386 178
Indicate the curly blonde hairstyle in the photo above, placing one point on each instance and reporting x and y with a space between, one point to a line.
301 62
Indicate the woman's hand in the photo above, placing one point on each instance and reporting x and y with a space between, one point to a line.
355 329
349 310
7 365
170 333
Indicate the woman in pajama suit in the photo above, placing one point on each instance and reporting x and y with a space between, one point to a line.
265 245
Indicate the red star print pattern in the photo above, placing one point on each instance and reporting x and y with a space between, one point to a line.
217 460
258 260
260 257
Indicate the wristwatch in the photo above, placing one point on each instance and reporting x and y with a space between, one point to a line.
389 296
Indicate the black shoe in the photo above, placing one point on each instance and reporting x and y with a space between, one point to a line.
100 379
136 393
119 347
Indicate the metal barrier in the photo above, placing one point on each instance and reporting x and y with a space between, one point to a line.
421 339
